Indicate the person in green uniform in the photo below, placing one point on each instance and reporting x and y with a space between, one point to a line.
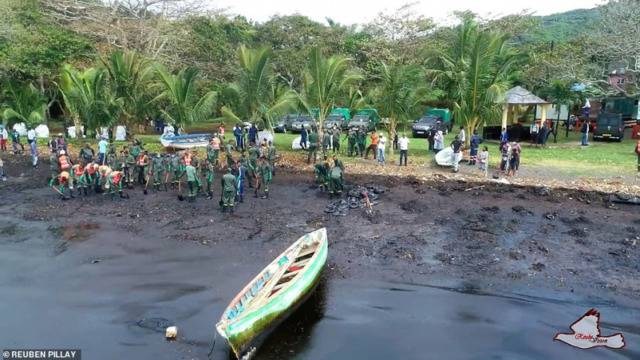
252 167
190 171
313 146
335 140
228 152
59 183
54 167
168 170
196 164
112 158
208 169
176 170
157 168
326 141
265 172
271 156
228 191
351 142
129 165
362 141
335 183
121 160
114 183
136 151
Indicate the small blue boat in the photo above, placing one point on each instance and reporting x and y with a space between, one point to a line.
185 141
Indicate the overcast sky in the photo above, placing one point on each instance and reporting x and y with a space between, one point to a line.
360 11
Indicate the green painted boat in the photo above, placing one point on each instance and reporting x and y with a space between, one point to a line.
274 294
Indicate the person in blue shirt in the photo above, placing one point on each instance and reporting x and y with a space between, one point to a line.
102 150
504 136
474 145
237 132
303 138
253 134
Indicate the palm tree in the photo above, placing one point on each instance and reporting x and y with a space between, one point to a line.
88 98
179 91
257 96
476 71
559 93
324 81
130 77
23 103
399 94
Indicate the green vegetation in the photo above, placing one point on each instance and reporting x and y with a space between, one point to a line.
97 64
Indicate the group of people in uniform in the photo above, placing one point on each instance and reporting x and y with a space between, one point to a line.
133 165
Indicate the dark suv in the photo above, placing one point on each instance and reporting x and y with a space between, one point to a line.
421 127
302 120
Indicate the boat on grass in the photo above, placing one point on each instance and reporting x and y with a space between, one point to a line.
185 141
276 292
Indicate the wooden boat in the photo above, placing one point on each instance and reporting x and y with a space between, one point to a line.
184 141
274 294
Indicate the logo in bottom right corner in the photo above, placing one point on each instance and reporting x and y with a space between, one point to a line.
586 334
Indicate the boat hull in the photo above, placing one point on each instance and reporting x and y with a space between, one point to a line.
185 141
252 329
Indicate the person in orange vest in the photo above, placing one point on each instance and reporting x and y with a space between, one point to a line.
64 161
142 167
78 179
63 181
90 174
114 182
373 146
638 153
103 174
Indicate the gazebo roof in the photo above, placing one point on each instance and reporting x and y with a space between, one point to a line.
521 96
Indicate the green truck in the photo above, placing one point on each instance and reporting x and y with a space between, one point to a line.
367 118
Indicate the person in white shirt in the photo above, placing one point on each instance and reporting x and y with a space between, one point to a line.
33 143
462 136
403 144
4 137
382 141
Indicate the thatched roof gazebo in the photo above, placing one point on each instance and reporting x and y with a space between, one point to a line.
519 96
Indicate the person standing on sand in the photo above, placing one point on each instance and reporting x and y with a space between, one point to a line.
229 189
240 176
483 160
362 141
4 136
15 142
33 144
303 137
456 145
265 172
192 185
382 143
403 144
462 136
514 160
373 146
585 133
438 143
475 144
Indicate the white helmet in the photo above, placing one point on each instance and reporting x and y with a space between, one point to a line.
62 152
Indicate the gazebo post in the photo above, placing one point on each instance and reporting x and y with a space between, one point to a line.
543 114
505 115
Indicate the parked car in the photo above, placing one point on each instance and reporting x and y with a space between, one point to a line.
609 126
338 117
284 123
421 127
302 120
368 118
